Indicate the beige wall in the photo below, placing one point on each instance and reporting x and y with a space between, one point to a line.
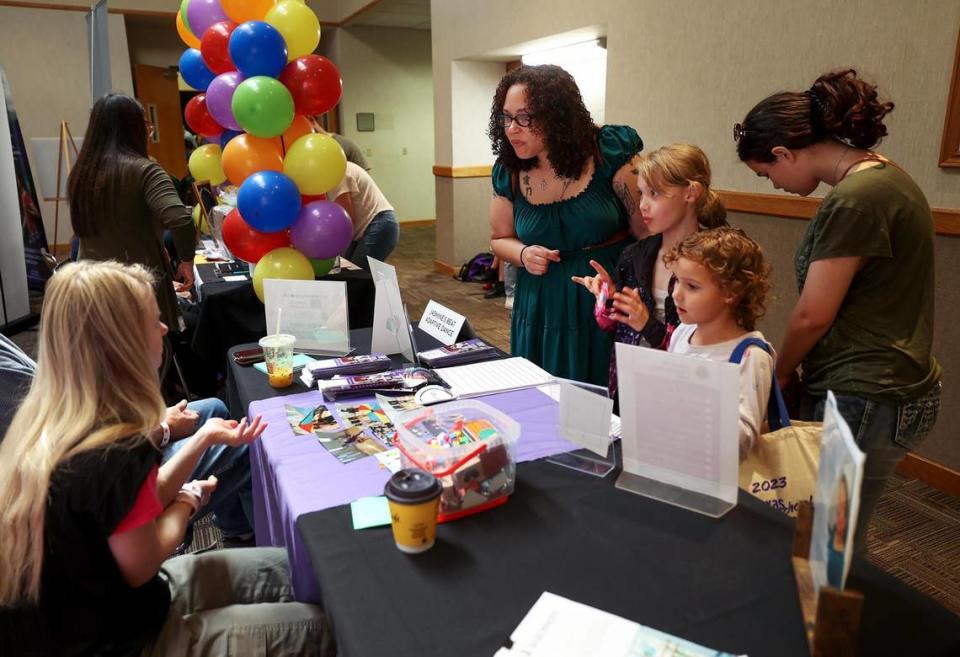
387 71
45 56
687 71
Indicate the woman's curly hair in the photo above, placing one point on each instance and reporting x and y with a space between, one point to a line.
736 263
554 100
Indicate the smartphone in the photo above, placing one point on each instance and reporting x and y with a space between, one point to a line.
248 356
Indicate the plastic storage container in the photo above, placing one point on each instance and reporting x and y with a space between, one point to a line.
469 446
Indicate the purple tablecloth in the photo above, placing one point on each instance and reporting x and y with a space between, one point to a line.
294 475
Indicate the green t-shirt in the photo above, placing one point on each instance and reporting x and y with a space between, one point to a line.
879 344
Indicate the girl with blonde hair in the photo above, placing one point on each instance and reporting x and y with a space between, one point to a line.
90 516
675 202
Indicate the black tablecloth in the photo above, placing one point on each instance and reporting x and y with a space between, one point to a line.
245 384
727 584
231 313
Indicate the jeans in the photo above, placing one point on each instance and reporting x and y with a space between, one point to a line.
232 501
885 433
378 240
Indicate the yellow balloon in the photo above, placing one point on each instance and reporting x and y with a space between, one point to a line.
205 165
284 263
199 221
299 26
316 163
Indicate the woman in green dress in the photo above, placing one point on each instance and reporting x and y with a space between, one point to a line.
564 192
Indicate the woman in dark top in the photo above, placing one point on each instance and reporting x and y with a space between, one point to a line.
90 515
863 326
564 190
121 201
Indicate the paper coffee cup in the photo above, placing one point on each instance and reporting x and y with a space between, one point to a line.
414 499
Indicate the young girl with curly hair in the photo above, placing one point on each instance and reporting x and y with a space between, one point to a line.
564 191
720 293
863 326
675 201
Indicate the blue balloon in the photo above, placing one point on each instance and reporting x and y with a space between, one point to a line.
194 70
269 201
258 48
227 135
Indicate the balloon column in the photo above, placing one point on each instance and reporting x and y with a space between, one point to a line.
252 62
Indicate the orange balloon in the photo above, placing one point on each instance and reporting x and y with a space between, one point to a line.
301 126
245 155
186 35
241 11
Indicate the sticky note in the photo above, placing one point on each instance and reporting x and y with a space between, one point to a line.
370 512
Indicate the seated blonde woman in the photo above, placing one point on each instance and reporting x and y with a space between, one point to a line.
90 516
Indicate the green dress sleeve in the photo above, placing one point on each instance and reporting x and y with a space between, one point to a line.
165 204
617 143
501 181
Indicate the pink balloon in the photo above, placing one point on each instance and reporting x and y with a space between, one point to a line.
322 230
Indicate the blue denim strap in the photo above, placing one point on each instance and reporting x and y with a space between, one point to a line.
777 415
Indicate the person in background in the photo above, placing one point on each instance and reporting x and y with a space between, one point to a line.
863 326
121 201
91 515
675 202
375 227
720 293
564 191
351 150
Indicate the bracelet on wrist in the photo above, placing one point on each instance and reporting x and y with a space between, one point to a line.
166 434
521 255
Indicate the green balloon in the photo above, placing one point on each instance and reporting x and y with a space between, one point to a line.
183 14
321 267
263 106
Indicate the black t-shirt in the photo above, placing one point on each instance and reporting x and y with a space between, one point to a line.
86 606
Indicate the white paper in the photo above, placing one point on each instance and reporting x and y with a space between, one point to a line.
390 459
491 376
390 333
839 479
441 323
585 418
234 278
552 390
558 627
313 311
680 419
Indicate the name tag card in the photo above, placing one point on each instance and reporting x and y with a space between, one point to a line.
441 323
313 311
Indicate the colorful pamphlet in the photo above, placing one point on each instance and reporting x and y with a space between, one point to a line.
404 380
343 366
468 351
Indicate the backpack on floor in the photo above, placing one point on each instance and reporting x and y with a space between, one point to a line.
781 467
477 269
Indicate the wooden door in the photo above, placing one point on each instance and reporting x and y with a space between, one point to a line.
158 93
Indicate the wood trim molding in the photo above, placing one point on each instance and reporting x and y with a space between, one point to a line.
417 223
65 7
946 221
936 475
441 267
950 143
444 171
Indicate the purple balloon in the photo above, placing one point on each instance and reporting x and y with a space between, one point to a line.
322 230
201 14
220 99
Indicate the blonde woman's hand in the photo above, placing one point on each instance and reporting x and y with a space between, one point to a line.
631 310
595 283
232 433
181 420
536 259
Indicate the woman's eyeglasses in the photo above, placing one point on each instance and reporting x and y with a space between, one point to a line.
522 119
738 131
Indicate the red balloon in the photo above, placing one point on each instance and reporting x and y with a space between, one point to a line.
314 82
213 47
199 119
307 198
246 242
